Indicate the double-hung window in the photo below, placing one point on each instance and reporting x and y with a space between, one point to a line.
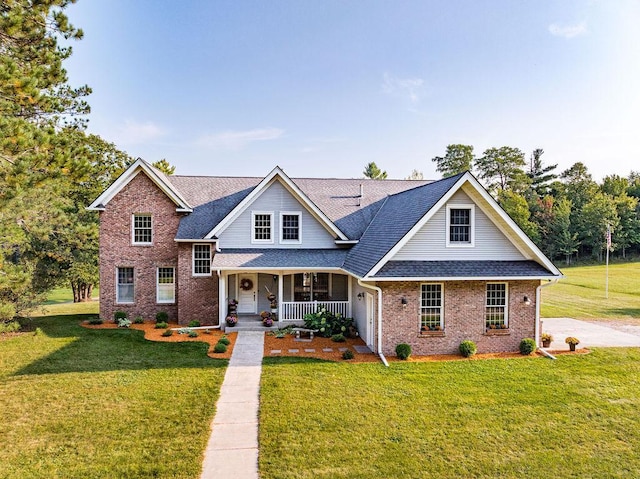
262 227
290 224
201 259
166 285
431 307
125 285
142 229
460 225
496 311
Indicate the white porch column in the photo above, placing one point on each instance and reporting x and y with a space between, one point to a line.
222 297
280 297
350 296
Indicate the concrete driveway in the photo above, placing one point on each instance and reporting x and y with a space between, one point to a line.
589 333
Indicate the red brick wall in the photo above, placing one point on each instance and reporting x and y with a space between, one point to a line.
464 306
141 195
199 294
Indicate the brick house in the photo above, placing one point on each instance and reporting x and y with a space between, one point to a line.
426 263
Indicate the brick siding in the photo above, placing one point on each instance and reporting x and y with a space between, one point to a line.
464 308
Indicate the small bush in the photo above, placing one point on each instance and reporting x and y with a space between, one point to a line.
38 332
124 323
9 327
162 317
138 320
119 315
161 325
327 323
403 351
338 338
184 331
348 354
193 334
194 324
220 348
96 321
167 332
527 346
468 348
224 340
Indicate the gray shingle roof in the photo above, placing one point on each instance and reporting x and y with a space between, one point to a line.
398 214
462 269
279 258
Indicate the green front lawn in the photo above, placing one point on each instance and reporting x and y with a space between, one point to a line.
81 403
515 418
581 294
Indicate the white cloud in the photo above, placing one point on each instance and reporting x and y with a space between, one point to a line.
236 140
568 31
133 132
409 88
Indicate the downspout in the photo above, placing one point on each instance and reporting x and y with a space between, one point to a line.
379 295
537 333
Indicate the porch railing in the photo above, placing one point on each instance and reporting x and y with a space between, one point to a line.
296 311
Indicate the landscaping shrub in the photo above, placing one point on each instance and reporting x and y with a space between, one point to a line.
161 325
9 326
119 315
123 323
338 338
96 321
403 351
38 332
348 354
194 324
224 340
468 348
138 320
184 331
162 317
220 348
193 334
167 332
327 323
527 346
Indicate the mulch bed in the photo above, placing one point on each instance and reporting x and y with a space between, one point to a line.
153 334
318 344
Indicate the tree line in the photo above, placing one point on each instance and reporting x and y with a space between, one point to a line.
567 214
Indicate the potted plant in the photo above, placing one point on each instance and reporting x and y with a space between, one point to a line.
231 320
546 340
268 322
233 306
572 342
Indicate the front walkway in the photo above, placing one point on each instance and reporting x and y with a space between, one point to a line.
232 450
589 333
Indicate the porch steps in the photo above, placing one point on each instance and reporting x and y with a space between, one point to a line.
250 322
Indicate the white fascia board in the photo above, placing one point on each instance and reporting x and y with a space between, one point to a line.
129 174
280 269
196 240
463 278
347 241
434 209
260 188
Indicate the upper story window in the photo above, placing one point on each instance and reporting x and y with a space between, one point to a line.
142 229
290 224
431 307
496 312
262 227
124 287
460 225
201 259
166 285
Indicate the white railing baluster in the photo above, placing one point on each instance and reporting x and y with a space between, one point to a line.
296 310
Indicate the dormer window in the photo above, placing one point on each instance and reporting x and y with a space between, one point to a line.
460 225
262 227
142 229
290 224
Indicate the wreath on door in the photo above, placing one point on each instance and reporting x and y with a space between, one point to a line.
246 284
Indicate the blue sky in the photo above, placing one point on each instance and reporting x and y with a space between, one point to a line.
321 88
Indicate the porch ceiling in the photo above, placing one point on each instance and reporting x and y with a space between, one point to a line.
278 258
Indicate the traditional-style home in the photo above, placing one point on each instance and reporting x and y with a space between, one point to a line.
424 263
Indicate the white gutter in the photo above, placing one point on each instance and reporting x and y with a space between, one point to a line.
379 291
537 333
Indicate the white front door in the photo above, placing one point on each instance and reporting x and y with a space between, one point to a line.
247 301
371 324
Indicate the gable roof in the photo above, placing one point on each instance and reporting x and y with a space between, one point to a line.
461 270
155 175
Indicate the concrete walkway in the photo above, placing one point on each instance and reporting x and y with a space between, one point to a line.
232 450
589 334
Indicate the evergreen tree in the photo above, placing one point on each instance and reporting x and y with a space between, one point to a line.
372 171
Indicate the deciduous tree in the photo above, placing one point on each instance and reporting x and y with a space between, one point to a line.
457 159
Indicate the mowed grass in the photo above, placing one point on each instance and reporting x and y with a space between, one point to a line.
81 403
581 294
60 302
574 417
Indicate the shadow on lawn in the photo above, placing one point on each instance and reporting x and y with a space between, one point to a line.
633 312
91 350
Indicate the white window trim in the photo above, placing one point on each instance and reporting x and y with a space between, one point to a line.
291 213
173 299
193 260
133 230
253 227
441 304
506 299
118 268
472 225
